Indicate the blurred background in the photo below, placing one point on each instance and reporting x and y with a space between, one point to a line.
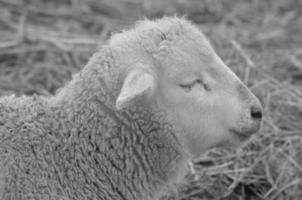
42 43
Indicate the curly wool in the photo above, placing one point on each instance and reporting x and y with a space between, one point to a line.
76 145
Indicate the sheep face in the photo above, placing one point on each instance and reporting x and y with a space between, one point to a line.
203 97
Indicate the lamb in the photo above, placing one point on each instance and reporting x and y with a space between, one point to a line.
151 99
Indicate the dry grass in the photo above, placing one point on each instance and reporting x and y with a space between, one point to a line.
43 42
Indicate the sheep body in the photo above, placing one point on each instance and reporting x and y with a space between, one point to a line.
47 153
82 143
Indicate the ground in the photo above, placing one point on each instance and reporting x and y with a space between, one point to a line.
42 43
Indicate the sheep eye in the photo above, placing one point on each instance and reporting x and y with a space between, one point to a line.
188 87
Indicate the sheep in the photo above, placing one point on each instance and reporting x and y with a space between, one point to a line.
148 101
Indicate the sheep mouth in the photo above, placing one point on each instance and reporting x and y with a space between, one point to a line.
242 136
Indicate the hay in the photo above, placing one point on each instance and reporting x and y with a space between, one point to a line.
42 43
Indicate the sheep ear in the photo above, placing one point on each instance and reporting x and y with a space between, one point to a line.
138 82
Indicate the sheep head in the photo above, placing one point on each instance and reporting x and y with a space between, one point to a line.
172 66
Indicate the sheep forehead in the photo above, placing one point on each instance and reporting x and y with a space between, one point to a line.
188 39
176 29
184 37
168 26
189 57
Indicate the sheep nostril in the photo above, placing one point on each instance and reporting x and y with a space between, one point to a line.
256 112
